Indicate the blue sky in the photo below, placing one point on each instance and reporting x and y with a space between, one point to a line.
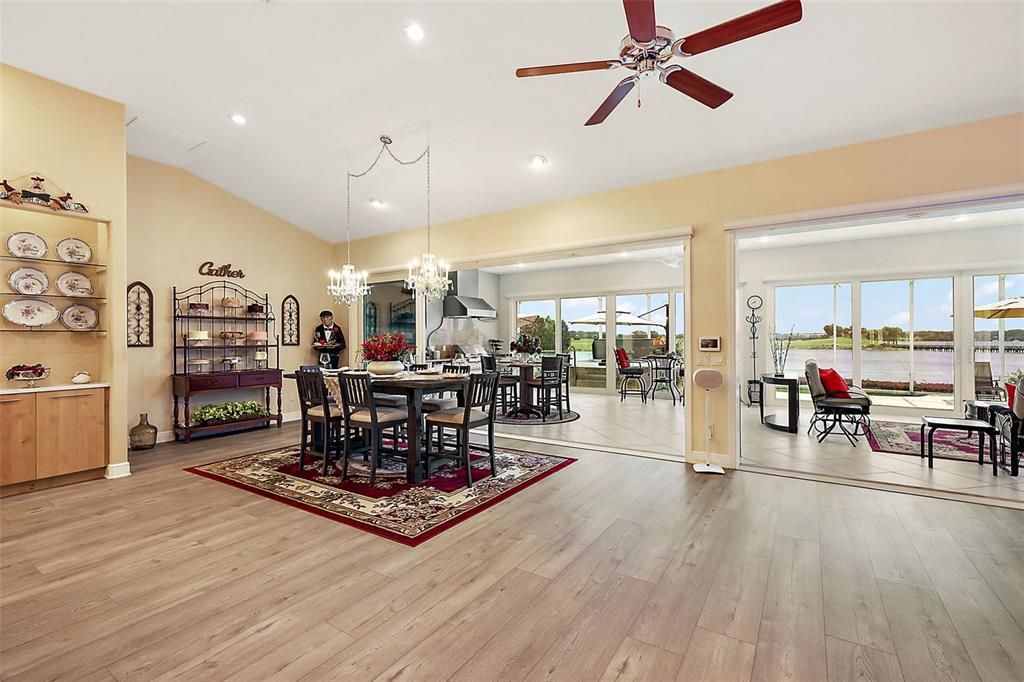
886 304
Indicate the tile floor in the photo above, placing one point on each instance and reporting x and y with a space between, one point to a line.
836 457
658 428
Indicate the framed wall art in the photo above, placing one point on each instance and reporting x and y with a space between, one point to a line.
140 315
290 325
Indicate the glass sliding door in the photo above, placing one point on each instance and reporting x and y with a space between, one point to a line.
999 343
584 338
539 318
932 344
816 321
885 336
641 324
679 337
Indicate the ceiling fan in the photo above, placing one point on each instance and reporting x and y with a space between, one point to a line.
648 48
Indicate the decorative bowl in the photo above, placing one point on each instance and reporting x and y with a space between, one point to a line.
231 302
81 378
234 334
30 377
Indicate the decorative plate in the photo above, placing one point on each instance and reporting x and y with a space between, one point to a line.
31 312
79 317
27 245
73 284
28 281
73 250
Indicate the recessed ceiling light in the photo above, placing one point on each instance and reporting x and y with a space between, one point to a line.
766 239
377 203
238 119
538 162
624 254
520 265
961 219
414 32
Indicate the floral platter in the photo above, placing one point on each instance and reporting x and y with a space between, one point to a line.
27 245
28 281
71 250
79 317
30 312
73 284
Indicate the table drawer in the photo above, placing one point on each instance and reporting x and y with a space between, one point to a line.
268 378
211 383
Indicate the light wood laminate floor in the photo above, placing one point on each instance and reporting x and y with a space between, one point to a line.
616 568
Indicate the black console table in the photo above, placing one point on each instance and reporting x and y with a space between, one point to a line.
791 419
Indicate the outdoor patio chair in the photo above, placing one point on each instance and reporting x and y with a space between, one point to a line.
985 385
1010 424
851 415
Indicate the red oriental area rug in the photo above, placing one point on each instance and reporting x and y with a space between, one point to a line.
394 509
904 438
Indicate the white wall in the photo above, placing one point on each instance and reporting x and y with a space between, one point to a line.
972 251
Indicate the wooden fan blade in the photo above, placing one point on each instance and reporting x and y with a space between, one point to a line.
700 89
612 101
567 68
757 22
640 18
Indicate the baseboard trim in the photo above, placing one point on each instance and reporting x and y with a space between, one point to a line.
720 458
592 446
885 487
119 470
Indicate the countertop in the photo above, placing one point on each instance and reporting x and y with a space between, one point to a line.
59 387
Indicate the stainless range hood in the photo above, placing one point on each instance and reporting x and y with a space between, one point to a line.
464 301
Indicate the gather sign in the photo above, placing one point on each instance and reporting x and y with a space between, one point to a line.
210 270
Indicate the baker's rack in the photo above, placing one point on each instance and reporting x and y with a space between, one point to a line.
253 314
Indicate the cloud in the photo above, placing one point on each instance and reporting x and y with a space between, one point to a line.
900 318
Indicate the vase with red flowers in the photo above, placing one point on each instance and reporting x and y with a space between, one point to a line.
525 345
384 353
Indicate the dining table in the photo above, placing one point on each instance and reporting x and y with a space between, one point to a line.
525 405
413 387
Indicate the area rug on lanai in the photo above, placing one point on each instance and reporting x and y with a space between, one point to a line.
904 438
531 420
392 508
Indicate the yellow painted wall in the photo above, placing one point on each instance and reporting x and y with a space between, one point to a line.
975 155
178 221
77 140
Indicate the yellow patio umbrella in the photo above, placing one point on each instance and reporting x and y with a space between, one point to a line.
1011 307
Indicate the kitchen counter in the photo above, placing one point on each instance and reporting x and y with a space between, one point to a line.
59 387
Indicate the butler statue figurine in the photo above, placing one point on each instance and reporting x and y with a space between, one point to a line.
328 340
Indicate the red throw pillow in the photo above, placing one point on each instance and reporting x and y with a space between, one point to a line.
622 358
834 383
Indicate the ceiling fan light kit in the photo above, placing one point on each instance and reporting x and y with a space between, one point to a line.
647 49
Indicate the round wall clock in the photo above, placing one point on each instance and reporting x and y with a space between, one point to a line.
755 302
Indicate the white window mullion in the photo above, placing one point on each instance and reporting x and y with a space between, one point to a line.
855 322
910 291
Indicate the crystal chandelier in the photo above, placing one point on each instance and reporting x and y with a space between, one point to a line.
349 285
429 275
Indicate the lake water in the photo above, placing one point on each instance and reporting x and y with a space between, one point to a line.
894 365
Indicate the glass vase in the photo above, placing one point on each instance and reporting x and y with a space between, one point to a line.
142 436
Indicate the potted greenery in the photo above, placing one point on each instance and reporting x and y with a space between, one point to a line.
226 413
385 352
1013 382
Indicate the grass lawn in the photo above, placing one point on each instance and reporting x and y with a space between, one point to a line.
581 344
843 343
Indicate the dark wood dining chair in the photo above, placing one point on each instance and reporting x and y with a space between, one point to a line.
362 413
508 385
548 385
567 365
315 408
481 395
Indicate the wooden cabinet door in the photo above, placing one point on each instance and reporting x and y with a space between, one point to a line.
17 438
71 431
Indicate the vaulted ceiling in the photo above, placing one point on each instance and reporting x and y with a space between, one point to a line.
319 82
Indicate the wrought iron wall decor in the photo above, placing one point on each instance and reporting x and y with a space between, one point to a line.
290 324
754 304
140 315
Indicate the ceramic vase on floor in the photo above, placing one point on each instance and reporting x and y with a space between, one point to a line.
142 436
